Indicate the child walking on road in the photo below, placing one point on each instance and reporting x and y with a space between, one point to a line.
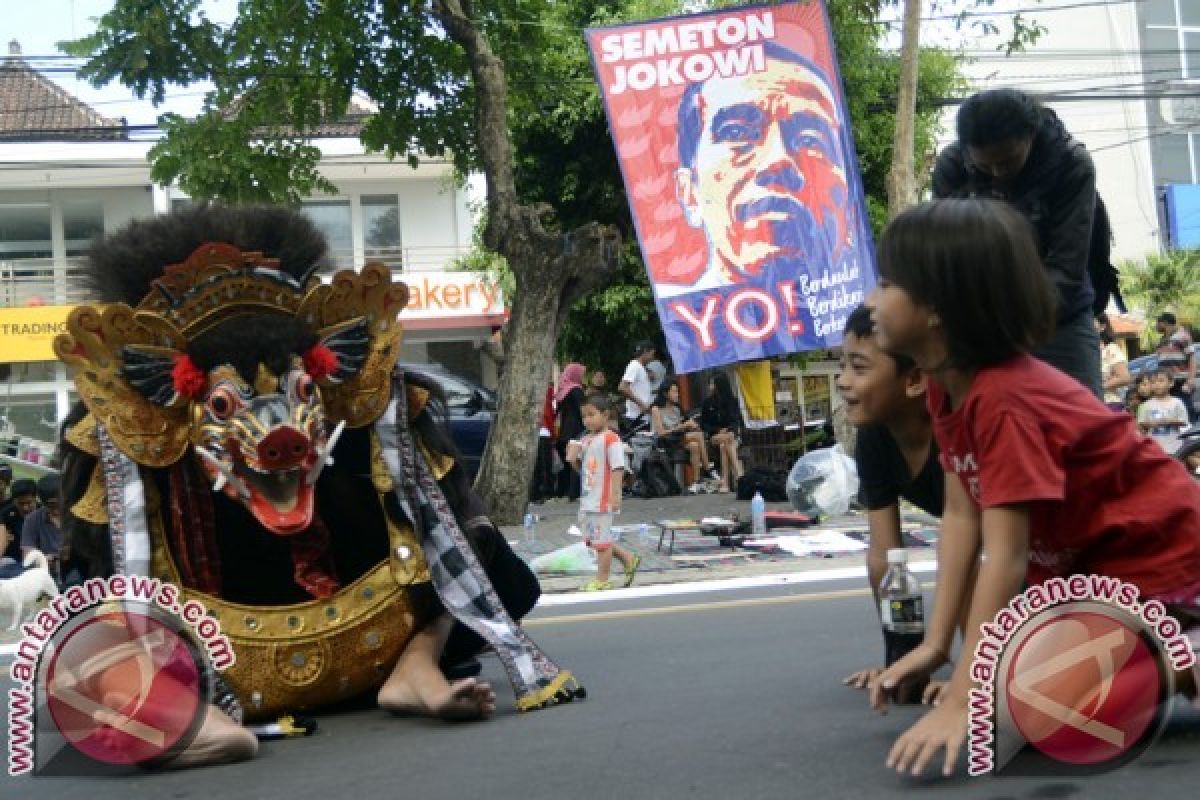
600 459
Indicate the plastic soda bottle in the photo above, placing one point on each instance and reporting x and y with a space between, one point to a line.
758 515
530 526
901 607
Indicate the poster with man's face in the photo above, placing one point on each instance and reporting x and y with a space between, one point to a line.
733 139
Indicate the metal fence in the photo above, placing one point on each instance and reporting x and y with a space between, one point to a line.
774 445
45 281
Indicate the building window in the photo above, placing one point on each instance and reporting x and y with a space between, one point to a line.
1174 159
83 221
381 228
25 232
1163 60
1159 12
1191 55
1189 14
33 415
332 218
26 250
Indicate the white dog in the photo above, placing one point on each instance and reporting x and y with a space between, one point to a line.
28 587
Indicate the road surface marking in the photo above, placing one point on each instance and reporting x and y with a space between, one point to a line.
719 585
745 602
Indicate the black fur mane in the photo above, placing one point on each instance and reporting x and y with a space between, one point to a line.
121 266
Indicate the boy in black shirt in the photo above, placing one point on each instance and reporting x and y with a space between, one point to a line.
895 452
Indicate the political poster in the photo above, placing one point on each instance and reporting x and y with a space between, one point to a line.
735 146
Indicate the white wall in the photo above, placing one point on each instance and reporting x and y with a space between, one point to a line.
429 214
1093 48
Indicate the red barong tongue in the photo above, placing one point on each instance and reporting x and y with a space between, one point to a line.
312 567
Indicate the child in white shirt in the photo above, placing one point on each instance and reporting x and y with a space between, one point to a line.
600 459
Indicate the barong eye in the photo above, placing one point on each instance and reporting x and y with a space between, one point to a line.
302 386
222 403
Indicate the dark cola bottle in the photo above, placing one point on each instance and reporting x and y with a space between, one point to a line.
902 612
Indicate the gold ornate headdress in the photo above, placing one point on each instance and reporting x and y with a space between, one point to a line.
121 358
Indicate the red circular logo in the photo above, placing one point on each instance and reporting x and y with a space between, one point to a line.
125 687
1084 688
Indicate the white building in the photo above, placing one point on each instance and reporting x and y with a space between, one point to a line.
68 174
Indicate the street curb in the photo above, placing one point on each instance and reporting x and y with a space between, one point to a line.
716 585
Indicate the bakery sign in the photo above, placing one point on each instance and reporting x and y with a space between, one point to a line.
452 299
27 333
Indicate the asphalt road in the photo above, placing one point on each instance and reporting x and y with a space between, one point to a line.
713 695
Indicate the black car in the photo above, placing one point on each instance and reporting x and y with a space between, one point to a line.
470 407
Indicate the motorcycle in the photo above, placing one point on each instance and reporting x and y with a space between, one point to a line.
1189 450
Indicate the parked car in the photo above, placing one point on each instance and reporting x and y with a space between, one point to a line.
470 408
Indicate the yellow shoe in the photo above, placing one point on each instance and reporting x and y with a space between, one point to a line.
596 586
631 570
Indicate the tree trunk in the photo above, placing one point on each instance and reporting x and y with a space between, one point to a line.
552 271
901 180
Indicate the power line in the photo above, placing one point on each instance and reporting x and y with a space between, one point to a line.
963 15
1034 9
1023 81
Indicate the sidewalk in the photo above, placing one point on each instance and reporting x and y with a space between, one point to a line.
696 557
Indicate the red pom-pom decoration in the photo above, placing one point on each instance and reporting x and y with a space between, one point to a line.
320 362
190 381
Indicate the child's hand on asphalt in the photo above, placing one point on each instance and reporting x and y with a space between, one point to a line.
921 661
863 678
944 727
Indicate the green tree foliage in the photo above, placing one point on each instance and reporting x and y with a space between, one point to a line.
440 74
283 67
1163 282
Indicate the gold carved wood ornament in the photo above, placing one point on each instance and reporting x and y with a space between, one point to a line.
216 283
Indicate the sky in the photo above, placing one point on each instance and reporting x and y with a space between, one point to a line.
39 25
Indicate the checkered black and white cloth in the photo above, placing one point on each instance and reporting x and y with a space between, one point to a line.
458 576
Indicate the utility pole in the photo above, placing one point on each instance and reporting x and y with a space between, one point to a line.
901 180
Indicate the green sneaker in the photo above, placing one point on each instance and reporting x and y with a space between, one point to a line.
596 586
631 570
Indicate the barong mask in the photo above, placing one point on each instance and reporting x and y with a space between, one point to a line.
262 439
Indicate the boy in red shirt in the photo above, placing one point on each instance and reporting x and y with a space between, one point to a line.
1042 478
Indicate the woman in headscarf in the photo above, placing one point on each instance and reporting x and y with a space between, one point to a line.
569 398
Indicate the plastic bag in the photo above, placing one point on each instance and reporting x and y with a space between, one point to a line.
577 557
823 482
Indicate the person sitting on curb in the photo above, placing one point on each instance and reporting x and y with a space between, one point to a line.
675 431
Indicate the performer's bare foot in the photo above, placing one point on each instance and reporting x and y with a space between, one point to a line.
466 699
418 686
220 740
